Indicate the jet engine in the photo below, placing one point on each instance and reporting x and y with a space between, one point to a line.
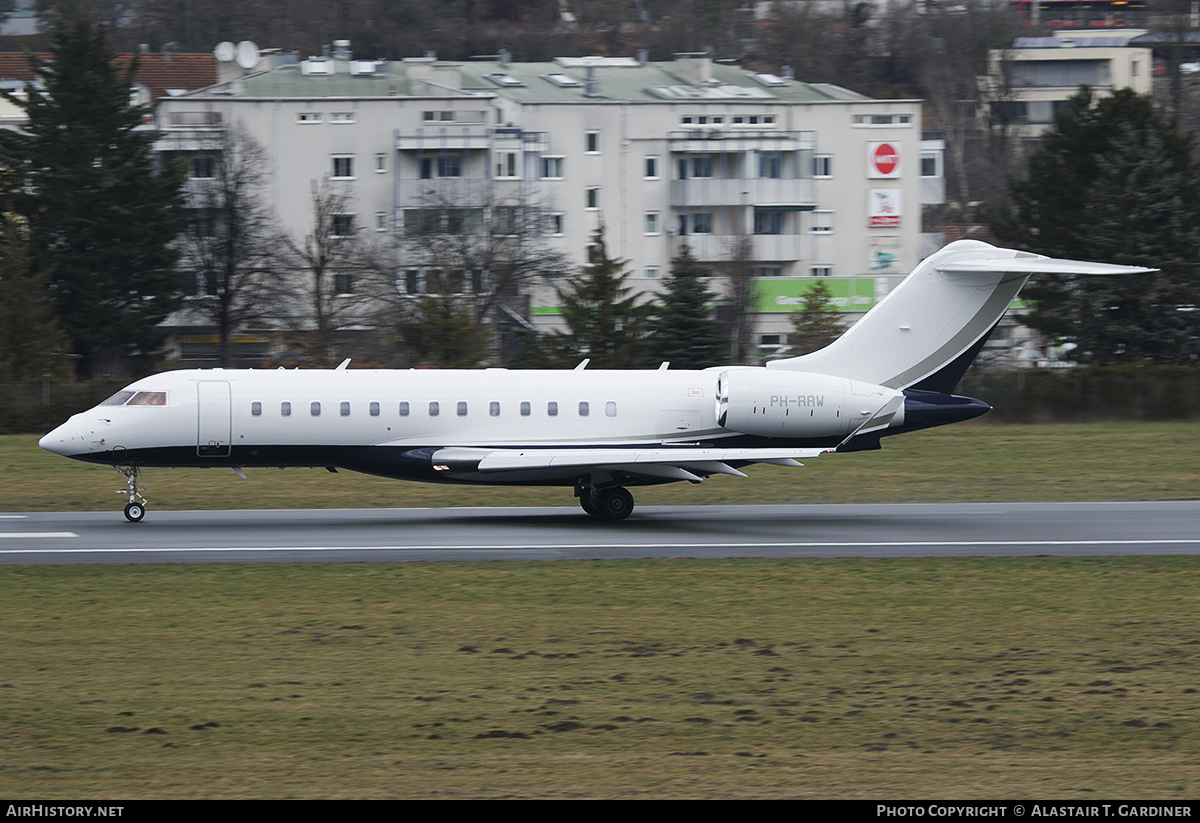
803 405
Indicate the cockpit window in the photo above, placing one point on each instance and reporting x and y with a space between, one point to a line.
149 398
118 399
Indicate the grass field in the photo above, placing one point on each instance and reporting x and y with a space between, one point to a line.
925 679
1074 679
971 462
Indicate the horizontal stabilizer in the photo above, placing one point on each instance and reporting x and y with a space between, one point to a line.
1037 265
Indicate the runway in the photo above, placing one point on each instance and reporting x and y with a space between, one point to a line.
497 534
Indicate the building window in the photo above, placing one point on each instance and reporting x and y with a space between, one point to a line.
343 283
820 271
822 222
702 222
823 165
554 224
592 197
552 168
444 165
652 272
768 222
380 162
204 167
769 271
770 165
651 222
343 167
381 221
308 117
592 142
505 165
342 225
650 169
929 164
882 119
342 117
438 116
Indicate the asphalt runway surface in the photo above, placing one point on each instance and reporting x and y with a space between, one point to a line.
498 534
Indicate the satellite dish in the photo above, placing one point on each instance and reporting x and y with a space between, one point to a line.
224 51
247 54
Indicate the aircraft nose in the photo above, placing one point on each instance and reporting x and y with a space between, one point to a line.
60 442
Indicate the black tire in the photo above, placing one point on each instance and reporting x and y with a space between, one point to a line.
616 504
587 500
134 512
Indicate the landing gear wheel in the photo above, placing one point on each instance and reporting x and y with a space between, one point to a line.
615 504
587 499
134 512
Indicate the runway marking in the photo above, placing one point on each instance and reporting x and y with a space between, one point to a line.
524 547
38 534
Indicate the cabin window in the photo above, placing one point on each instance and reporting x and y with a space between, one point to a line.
434 408
118 399
285 409
345 408
610 409
149 398
315 409
552 408
462 408
374 408
404 408
525 409
494 409
583 408
256 409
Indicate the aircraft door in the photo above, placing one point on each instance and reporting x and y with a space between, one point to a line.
214 418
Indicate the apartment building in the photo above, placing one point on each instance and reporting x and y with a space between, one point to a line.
797 180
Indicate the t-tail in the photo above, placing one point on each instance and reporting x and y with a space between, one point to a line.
922 337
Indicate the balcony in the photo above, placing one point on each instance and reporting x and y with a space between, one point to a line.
718 191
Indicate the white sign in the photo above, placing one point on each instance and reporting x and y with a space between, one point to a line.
883 207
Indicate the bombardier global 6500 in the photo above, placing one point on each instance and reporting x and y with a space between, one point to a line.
599 432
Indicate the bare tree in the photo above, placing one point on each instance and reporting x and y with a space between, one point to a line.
739 272
344 269
229 241
492 248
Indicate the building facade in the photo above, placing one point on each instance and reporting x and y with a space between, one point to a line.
795 181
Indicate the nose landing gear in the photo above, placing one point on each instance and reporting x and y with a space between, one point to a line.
135 509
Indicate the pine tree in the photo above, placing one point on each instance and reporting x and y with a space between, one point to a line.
816 325
1114 181
604 322
100 217
682 329
31 344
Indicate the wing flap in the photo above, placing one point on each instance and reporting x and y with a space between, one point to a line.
642 461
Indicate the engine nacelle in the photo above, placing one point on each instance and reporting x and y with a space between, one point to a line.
801 404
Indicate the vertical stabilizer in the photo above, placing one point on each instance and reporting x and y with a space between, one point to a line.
939 315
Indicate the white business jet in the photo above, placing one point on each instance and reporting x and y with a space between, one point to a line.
597 431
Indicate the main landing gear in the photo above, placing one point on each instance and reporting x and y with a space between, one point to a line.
135 509
612 504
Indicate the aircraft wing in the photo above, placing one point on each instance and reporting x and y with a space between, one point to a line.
673 463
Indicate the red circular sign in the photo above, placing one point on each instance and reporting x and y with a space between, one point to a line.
886 158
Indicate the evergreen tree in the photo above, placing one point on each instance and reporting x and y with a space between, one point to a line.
604 321
31 344
682 329
816 325
101 219
1114 181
